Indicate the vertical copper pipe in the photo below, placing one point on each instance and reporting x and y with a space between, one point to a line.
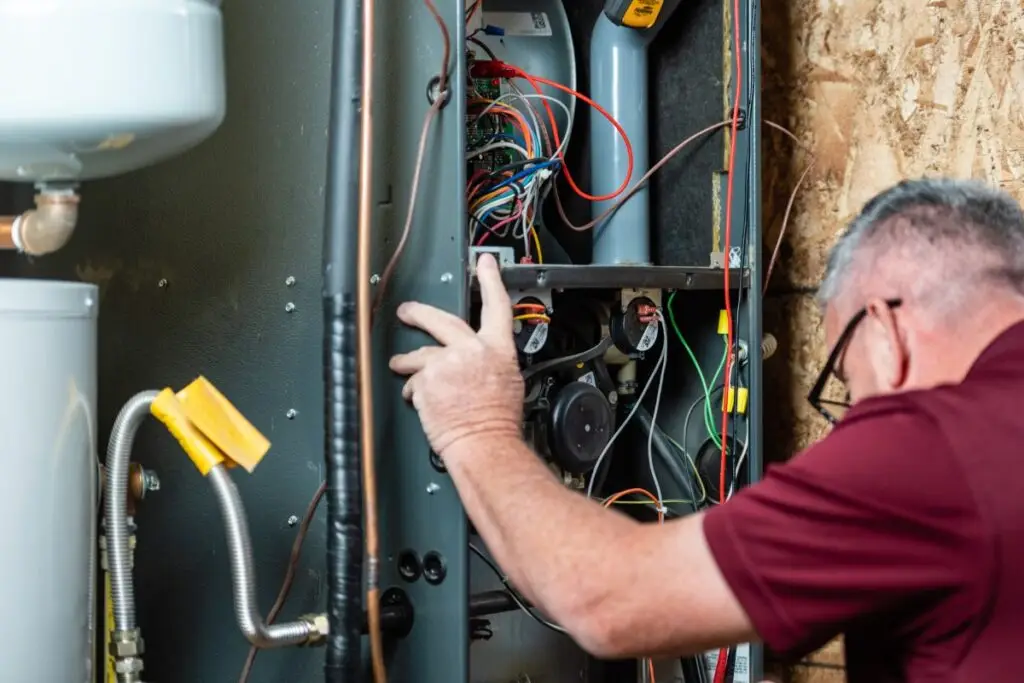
363 348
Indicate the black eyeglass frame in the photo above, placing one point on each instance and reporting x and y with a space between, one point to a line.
814 395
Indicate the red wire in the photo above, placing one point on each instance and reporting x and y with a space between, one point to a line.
721 667
535 81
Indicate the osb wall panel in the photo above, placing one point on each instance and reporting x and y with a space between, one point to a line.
881 91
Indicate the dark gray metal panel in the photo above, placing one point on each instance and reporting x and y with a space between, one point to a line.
224 226
420 508
750 25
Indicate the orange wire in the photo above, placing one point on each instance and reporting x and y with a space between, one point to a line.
535 81
661 520
512 113
723 654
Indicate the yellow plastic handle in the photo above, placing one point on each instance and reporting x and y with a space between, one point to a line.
168 410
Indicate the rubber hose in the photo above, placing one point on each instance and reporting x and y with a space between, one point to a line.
119 453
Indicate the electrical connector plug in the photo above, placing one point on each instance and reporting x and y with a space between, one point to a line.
493 69
491 30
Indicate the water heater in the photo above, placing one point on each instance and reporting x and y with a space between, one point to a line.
95 88
49 487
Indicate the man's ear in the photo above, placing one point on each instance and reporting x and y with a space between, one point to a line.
889 353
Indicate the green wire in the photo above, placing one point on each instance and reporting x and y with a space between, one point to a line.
709 417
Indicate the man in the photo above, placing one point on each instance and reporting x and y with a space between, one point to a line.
903 529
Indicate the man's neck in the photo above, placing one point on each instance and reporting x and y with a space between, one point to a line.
958 349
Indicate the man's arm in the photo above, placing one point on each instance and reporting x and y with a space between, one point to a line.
619 587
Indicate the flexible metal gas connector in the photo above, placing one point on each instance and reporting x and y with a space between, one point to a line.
127 644
303 631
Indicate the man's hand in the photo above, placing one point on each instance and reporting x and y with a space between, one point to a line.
469 385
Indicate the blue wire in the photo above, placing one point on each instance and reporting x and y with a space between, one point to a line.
524 174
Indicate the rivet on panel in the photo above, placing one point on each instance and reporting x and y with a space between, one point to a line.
289 307
289 281
374 279
291 414
433 488
293 520
162 284
446 277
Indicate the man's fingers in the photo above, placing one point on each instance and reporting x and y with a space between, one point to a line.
414 361
407 389
496 309
441 325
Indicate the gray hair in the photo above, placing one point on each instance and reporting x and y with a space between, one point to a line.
960 230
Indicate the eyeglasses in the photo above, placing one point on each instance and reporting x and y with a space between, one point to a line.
831 409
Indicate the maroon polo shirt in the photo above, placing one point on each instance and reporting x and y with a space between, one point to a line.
903 529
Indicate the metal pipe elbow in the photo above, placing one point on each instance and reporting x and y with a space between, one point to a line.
49 226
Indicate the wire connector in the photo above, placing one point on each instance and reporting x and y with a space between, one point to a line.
491 30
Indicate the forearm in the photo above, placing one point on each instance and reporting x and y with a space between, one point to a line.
540 533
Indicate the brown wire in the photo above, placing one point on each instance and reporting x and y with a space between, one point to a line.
432 112
789 204
289 574
639 185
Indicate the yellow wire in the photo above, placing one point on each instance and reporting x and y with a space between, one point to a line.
533 316
536 245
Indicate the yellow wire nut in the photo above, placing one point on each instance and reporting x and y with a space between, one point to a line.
738 397
723 322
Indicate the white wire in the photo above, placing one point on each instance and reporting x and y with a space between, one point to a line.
663 361
636 406
537 186
501 144
739 461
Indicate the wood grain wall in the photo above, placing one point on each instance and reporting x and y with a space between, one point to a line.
881 90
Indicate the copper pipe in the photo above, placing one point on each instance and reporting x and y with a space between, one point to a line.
7 232
363 349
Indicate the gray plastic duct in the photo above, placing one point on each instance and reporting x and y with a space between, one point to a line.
618 82
49 488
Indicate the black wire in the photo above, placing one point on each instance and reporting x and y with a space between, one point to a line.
516 596
480 44
581 357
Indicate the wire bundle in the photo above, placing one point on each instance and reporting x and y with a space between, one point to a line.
507 200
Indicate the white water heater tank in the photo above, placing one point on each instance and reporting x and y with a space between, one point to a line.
95 88
49 491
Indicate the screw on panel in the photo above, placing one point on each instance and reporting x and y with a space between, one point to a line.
162 284
291 413
433 488
446 277
374 279
289 307
289 281
293 520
